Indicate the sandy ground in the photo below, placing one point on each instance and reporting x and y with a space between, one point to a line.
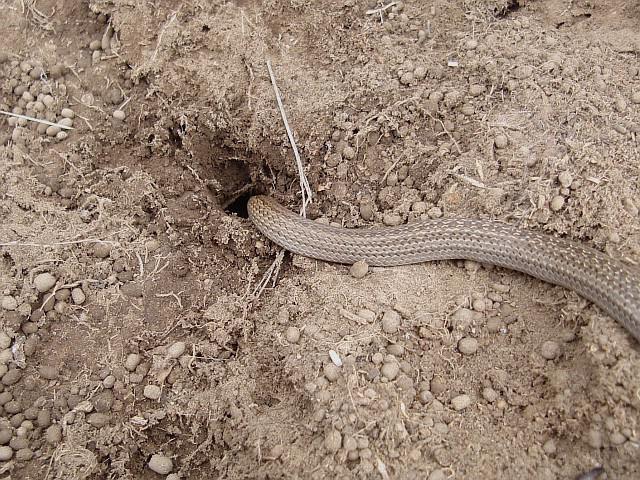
132 344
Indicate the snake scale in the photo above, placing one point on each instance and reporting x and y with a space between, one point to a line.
609 283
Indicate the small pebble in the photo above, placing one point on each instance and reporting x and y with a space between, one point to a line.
391 219
66 122
292 334
152 392
132 361
390 370
331 372
11 377
468 345
9 302
24 455
67 113
52 130
53 434
390 321
460 402
335 358
44 281
501 141
349 153
119 115
359 269
48 372
565 179
557 202
78 296
176 350
5 342
489 394
161 464
60 136
6 453
550 350
109 381
102 250
366 211
333 440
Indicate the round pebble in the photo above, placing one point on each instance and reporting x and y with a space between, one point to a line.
78 296
349 153
550 350
62 136
176 349
5 342
53 434
557 202
161 464
9 302
5 436
366 211
52 130
489 394
67 113
331 372
359 269
565 179
390 322
119 115
44 281
333 440
132 361
6 453
292 334
152 392
390 370
468 346
11 377
24 455
460 402
501 141
109 381
97 419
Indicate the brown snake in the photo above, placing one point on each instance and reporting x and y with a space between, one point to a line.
607 282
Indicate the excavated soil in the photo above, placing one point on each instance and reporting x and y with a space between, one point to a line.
136 341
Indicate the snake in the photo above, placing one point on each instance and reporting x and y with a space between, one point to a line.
612 285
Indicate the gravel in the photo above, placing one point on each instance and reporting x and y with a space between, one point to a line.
292 334
152 392
390 321
550 350
161 464
176 350
44 282
460 402
468 346
359 269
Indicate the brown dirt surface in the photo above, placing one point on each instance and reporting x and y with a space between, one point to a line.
132 342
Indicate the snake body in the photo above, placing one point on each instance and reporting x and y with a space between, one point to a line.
610 284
